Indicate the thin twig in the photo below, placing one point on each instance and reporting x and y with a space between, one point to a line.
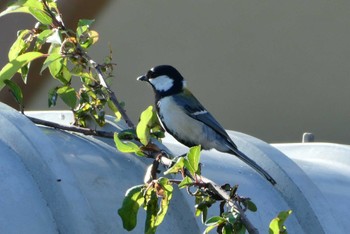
72 128
112 96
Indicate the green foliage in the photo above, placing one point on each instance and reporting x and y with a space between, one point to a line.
133 200
68 95
16 91
127 146
10 69
154 199
148 126
33 7
66 58
277 224
192 162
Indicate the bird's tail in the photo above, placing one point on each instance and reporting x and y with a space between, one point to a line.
253 164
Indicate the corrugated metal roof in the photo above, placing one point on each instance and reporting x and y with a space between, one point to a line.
55 181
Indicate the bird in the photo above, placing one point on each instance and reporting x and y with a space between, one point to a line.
186 119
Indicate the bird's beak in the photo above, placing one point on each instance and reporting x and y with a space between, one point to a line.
142 78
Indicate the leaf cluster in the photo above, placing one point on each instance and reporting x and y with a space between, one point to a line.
66 57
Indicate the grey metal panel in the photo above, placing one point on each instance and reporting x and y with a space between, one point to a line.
76 183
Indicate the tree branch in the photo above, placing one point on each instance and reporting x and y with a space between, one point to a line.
85 131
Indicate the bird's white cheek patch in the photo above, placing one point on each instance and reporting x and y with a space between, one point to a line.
162 83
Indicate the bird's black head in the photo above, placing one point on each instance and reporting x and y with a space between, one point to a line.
165 80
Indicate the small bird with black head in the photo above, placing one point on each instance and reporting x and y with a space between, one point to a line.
186 119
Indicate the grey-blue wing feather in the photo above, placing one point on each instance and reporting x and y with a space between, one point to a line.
197 111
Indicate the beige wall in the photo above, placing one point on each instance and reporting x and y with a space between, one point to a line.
271 69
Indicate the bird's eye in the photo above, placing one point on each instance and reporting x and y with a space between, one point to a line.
149 74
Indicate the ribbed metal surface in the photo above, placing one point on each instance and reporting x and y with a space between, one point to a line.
58 182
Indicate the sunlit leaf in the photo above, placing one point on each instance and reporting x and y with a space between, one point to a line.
214 220
185 182
68 95
10 69
193 157
50 59
126 146
114 109
176 167
151 213
277 224
94 36
166 197
20 45
37 13
131 204
142 128
41 39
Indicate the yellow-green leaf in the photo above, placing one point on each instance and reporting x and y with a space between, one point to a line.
39 14
142 129
176 167
19 46
126 146
185 182
10 69
193 157
277 224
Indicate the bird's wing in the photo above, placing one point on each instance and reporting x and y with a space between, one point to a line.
197 111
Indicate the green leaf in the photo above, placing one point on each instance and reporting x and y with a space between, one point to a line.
56 65
86 37
40 15
227 229
164 204
83 26
185 182
10 69
68 95
176 167
239 228
131 204
215 220
36 12
53 57
19 46
142 128
193 157
151 213
209 228
41 38
114 109
15 90
250 205
126 146
277 224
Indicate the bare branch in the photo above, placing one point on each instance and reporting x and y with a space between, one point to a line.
85 131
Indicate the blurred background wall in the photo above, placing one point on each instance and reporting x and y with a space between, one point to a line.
271 69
